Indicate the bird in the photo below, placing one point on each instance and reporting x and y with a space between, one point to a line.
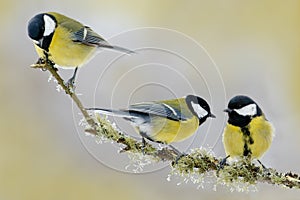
66 42
165 121
247 133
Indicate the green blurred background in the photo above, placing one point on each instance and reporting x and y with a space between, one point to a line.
255 45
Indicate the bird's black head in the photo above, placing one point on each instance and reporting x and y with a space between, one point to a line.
199 107
241 109
41 28
36 27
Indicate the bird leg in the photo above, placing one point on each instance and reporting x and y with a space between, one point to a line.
223 162
144 143
178 154
175 150
46 59
71 82
261 164
221 165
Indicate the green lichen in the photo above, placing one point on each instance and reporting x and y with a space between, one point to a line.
199 160
106 129
192 167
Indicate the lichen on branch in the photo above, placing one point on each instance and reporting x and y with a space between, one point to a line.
197 163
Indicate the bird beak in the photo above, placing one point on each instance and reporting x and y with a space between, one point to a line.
211 115
227 110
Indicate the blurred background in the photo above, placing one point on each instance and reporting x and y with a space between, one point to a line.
249 47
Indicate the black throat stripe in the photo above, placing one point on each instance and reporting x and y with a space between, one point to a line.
247 141
45 42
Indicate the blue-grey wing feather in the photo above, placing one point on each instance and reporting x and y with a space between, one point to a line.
158 109
87 36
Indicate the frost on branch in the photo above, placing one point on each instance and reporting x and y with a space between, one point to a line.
199 166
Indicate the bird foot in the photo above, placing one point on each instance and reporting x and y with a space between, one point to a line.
71 84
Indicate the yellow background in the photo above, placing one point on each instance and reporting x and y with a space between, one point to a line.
254 43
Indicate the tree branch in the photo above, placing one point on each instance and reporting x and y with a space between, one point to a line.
198 162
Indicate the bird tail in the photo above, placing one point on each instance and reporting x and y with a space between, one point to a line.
117 113
117 48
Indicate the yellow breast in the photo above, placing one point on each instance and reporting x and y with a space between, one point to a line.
261 132
233 141
168 131
66 53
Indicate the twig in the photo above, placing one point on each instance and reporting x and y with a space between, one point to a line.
50 67
198 162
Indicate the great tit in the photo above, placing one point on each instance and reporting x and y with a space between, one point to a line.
65 41
165 121
248 133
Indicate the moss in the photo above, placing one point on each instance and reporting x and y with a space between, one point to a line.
196 164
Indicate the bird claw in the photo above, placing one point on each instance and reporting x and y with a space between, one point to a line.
71 84
222 163
179 156
144 143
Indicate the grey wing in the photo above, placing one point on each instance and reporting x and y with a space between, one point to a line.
87 36
162 110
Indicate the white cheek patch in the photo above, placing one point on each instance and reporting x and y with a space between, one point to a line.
49 25
201 112
249 110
